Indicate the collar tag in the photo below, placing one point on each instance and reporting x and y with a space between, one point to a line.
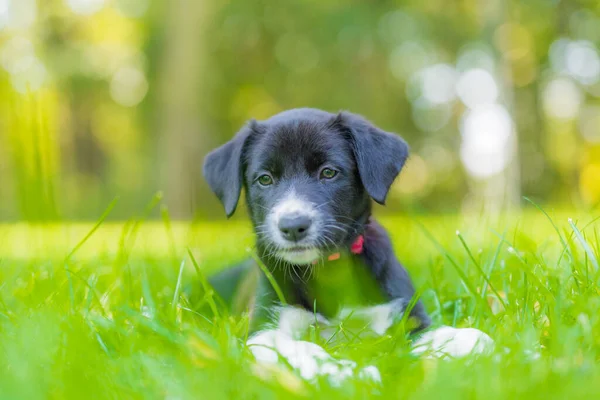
334 256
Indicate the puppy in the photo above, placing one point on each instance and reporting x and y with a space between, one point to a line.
310 178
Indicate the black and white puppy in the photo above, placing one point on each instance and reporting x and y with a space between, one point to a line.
310 177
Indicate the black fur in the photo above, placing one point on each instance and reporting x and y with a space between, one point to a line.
293 147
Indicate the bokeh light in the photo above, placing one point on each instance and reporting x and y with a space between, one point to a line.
582 61
589 124
430 117
486 133
85 7
562 98
589 181
415 177
513 40
17 54
4 12
31 78
410 57
475 56
128 86
576 58
133 8
27 73
477 87
21 14
438 83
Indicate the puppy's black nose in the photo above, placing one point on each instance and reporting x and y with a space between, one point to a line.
294 228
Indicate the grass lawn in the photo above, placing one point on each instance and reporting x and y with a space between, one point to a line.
104 316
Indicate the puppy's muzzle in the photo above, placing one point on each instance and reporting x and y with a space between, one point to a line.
294 227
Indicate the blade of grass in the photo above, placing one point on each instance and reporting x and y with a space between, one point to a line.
457 305
526 268
130 241
91 281
270 277
483 274
98 338
458 270
105 214
585 245
93 293
147 295
177 286
78 246
494 260
164 211
435 289
562 240
208 289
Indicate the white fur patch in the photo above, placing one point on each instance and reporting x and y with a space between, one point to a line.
379 317
310 359
293 205
295 321
300 257
452 342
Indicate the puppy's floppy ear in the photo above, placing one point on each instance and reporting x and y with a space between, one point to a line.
223 169
379 155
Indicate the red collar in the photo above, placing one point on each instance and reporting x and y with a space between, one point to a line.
357 247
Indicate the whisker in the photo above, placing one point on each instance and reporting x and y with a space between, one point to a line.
323 204
338 228
327 238
307 269
296 273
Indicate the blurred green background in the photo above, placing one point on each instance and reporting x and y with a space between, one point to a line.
99 98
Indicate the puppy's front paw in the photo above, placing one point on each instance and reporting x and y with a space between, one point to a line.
309 359
370 373
269 346
453 342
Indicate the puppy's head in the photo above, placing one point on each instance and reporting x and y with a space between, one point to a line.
309 178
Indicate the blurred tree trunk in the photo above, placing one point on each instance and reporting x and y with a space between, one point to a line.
512 195
503 191
182 129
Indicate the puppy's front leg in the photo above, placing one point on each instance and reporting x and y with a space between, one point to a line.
440 342
380 317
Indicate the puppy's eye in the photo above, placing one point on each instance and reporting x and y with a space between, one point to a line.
265 180
328 173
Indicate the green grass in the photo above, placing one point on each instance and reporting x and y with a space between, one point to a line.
105 317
